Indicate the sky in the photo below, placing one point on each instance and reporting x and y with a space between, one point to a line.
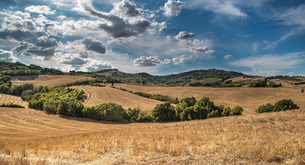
159 37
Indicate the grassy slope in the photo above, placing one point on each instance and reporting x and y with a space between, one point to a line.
253 139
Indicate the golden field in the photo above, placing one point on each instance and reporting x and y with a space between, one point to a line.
30 136
34 137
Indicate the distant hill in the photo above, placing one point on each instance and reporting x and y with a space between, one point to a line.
209 77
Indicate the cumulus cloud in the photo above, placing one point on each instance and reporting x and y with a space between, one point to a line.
94 45
227 56
270 64
147 61
22 46
19 35
173 8
95 65
183 35
181 59
126 8
83 54
167 61
7 56
47 43
118 27
40 9
43 48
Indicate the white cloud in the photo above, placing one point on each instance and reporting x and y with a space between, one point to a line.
126 8
227 56
293 16
181 59
223 7
117 26
183 35
40 9
173 8
7 56
167 61
146 61
270 64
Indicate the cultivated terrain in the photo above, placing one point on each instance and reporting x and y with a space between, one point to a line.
29 136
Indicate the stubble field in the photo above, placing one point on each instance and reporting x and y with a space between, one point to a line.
33 137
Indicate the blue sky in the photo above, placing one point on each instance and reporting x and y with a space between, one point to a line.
160 37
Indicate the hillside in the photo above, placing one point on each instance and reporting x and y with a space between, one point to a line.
97 95
248 98
33 137
47 80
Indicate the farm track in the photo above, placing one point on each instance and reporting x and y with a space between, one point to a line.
98 95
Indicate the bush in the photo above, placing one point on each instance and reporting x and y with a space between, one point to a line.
226 112
265 108
11 105
285 104
163 112
237 110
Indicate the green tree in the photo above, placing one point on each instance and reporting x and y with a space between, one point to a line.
163 112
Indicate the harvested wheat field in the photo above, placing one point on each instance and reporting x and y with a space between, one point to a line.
98 95
4 98
248 98
47 80
269 138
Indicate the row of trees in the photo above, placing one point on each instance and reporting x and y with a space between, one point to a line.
11 105
65 101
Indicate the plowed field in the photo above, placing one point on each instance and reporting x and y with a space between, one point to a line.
97 95
47 80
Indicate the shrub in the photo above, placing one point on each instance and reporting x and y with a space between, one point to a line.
237 85
285 104
265 108
11 105
213 114
163 112
226 112
237 110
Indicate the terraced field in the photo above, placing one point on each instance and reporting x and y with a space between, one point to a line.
47 80
97 95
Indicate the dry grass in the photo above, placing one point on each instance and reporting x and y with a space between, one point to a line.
97 95
248 98
253 139
47 80
4 98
